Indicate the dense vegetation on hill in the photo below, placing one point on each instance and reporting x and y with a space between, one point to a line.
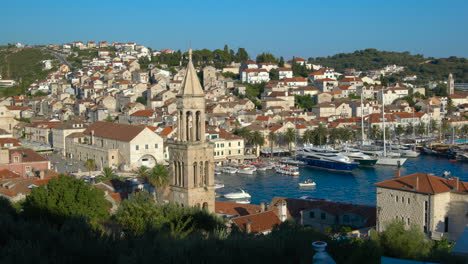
58 223
425 68
22 65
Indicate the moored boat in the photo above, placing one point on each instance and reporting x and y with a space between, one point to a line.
326 158
229 170
246 169
288 170
241 194
307 183
357 156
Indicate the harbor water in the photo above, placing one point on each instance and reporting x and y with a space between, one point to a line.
356 187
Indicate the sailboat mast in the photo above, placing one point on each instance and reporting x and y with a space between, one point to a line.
383 120
362 115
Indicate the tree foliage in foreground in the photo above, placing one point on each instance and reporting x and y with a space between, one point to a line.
25 240
66 197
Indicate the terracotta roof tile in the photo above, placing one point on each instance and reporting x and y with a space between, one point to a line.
234 209
425 183
258 222
122 132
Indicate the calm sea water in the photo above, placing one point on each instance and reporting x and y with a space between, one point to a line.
356 187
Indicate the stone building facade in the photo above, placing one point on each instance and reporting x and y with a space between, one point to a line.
437 205
116 145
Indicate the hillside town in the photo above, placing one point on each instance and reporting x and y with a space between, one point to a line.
110 107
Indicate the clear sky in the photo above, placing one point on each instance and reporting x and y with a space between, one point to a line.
305 28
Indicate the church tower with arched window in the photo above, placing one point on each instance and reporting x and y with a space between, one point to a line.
191 156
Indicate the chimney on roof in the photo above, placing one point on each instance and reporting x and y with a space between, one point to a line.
248 226
416 186
42 174
92 137
397 173
263 207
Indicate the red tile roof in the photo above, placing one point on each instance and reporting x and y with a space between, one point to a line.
425 183
144 113
14 141
234 209
260 222
122 132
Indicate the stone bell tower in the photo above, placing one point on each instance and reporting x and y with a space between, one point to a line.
191 156
450 85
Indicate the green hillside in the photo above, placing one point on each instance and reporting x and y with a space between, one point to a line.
23 65
426 69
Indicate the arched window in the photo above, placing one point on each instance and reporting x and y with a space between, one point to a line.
176 173
198 127
207 172
202 175
195 172
205 205
181 174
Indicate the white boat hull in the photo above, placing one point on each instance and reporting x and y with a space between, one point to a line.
390 161
307 184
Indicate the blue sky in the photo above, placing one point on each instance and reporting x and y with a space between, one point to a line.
289 28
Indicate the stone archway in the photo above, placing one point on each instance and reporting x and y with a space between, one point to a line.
147 160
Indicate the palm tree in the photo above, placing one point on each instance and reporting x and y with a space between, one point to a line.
159 178
308 136
434 125
445 127
321 134
375 132
257 139
421 129
90 164
290 137
108 173
141 172
272 138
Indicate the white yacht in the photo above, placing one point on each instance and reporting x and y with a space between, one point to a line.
229 170
358 156
241 194
326 158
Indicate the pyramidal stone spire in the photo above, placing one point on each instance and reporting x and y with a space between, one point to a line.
191 85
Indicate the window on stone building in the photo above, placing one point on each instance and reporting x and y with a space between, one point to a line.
146 146
446 224
408 221
396 198
155 146
112 157
137 147
16 159
408 200
229 143
311 214
323 216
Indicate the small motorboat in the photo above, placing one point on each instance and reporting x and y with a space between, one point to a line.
218 186
307 183
229 170
288 170
247 170
218 171
241 194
